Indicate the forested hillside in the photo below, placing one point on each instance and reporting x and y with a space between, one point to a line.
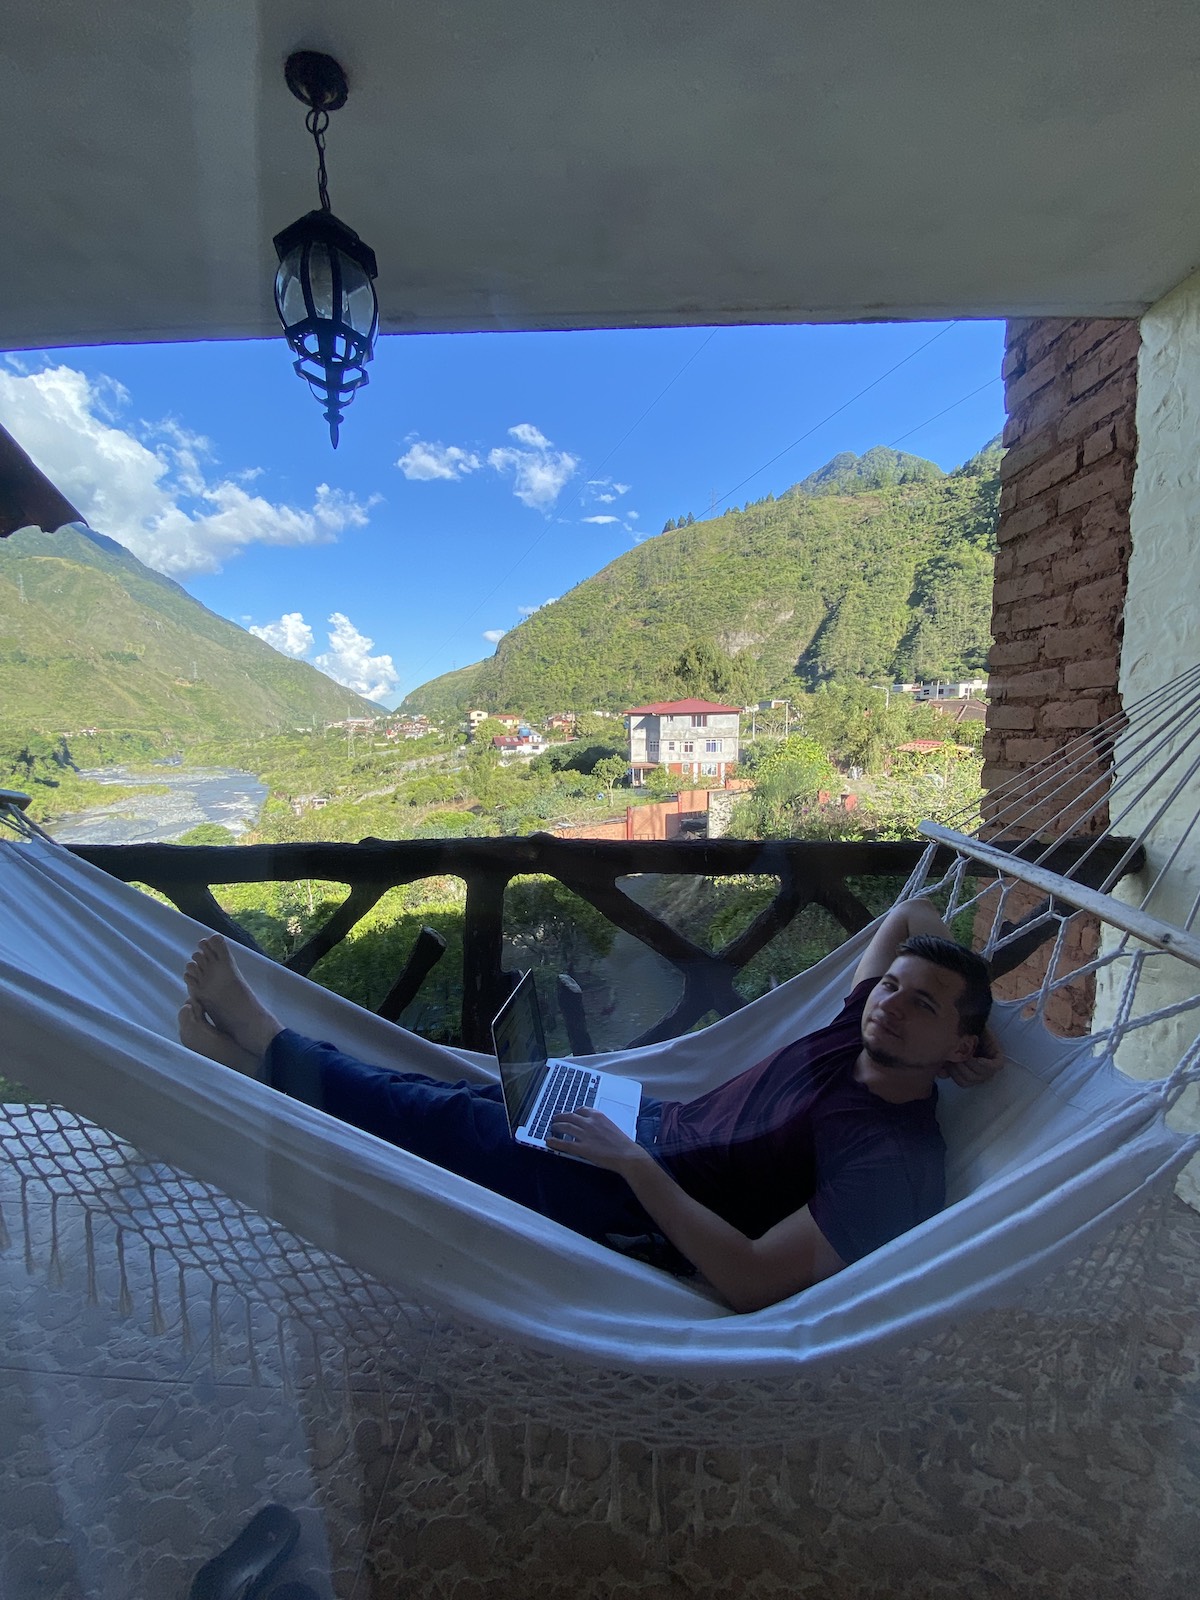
838 578
91 637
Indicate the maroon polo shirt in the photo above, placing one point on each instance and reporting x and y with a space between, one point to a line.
797 1130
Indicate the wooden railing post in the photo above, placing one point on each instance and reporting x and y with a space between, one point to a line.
484 986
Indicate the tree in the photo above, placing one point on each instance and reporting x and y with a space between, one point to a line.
798 762
592 728
705 672
660 782
483 774
787 781
490 728
610 771
207 833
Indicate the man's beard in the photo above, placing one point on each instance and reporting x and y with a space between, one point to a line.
883 1058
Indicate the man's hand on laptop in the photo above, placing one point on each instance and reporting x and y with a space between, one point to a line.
591 1136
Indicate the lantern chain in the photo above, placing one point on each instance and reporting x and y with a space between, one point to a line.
316 122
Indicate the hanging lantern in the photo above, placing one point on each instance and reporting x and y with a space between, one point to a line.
324 291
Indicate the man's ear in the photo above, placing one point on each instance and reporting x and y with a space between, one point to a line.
967 1046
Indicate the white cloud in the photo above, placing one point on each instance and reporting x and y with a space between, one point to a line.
526 433
428 459
153 493
494 635
527 611
540 474
349 661
291 634
606 491
602 519
539 471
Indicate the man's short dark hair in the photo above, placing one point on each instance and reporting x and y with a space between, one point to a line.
975 1002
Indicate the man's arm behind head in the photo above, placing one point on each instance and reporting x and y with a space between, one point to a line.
905 921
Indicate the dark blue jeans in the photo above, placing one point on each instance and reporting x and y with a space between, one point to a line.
463 1127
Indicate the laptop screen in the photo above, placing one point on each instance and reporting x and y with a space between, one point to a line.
520 1044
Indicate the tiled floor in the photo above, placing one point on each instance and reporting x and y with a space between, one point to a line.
143 1420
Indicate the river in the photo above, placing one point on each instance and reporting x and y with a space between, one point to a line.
636 986
194 795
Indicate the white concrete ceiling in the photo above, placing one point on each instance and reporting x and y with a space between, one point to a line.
553 163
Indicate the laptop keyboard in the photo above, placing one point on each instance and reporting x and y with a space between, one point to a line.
566 1089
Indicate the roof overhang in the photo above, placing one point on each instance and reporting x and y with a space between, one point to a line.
27 497
548 165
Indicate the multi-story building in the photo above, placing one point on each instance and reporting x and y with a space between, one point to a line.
694 738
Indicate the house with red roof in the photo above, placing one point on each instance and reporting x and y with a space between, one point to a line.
695 738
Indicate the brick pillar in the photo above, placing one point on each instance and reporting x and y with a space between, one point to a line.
1062 557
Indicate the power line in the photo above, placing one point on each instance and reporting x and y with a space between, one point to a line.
695 354
959 402
874 384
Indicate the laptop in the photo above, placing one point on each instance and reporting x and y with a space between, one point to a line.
537 1089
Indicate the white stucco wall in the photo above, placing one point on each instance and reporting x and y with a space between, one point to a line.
1162 638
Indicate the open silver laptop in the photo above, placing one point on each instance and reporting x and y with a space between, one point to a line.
537 1089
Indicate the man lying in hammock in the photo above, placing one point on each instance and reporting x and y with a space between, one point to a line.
769 1183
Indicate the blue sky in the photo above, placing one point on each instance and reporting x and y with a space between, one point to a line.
479 475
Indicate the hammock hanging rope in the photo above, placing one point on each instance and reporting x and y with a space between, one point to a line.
1044 1163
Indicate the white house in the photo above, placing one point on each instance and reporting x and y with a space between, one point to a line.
695 738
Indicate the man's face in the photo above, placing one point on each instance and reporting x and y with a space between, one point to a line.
911 1016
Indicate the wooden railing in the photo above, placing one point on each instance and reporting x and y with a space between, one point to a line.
808 873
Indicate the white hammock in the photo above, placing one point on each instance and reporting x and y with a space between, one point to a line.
1047 1165
1044 1162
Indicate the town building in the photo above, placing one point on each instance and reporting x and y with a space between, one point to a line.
696 738
959 709
962 690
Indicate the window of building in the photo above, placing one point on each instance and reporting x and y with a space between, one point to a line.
709 769
671 745
700 721
713 746
688 747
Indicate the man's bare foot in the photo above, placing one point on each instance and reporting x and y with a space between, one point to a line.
202 1036
216 984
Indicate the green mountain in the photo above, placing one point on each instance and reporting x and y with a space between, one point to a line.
879 468
89 637
876 567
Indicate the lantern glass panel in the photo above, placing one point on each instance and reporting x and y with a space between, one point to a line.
358 298
320 277
289 296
